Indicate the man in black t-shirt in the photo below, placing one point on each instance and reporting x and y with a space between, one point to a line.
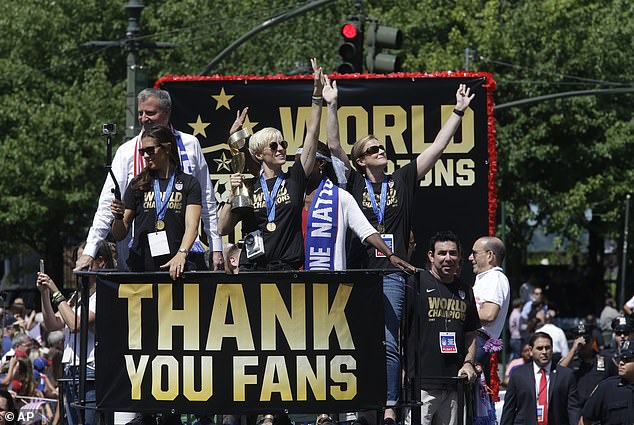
441 325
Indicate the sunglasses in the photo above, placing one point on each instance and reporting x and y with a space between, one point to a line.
274 145
374 149
150 150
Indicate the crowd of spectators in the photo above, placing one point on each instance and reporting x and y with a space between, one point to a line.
31 366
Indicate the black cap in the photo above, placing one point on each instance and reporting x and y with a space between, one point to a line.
621 324
581 329
627 350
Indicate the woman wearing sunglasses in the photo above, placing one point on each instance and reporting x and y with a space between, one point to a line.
164 203
387 201
273 230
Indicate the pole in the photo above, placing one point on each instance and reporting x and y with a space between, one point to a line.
467 56
626 228
83 343
209 69
135 72
136 78
537 99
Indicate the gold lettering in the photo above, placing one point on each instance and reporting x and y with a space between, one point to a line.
382 130
468 130
294 135
206 378
361 125
187 317
348 388
293 325
418 131
324 320
136 374
240 329
306 374
465 168
443 173
276 365
171 365
135 293
240 377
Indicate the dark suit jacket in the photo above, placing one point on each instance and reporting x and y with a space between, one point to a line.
520 402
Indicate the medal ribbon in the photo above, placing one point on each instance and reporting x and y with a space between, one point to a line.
161 203
269 197
379 211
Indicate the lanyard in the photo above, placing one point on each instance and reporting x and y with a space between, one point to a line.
161 204
379 211
269 197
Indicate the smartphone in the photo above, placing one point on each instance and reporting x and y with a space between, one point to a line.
41 265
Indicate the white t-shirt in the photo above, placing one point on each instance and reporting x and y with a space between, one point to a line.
493 286
349 215
71 340
630 304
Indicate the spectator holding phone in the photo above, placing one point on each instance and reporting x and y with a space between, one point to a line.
68 318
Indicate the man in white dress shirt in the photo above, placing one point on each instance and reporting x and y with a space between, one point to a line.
154 107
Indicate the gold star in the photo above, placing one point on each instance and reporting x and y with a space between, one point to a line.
248 124
222 99
199 127
223 162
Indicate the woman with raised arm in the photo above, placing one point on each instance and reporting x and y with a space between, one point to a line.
387 201
165 205
68 319
273 230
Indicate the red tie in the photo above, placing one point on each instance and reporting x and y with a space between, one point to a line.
542 400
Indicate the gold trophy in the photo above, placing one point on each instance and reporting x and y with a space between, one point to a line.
240 199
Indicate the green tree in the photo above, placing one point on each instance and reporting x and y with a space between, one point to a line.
562 156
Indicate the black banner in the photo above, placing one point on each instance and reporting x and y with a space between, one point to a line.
254 342
405 111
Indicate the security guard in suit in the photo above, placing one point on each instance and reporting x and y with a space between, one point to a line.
612 401
589 367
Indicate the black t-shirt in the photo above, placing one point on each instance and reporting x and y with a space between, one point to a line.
399 208
285 243
186 191
440 308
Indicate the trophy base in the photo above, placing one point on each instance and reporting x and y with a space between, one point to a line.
241 204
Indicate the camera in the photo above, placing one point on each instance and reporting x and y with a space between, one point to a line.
109 129
254 245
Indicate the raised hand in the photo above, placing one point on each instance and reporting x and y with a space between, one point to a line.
318 78
239 122
463 97
330 92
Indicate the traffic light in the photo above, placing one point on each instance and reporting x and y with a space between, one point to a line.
351 48
379 37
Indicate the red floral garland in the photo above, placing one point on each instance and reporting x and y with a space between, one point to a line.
494 385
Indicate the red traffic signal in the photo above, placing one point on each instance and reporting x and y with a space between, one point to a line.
351 47
349 31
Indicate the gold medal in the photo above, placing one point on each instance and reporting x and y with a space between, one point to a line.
160 225
381 228
271 227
